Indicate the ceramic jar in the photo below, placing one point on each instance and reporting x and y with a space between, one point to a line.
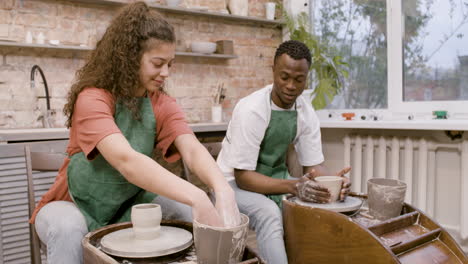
146 220
220 244
332 183
239 7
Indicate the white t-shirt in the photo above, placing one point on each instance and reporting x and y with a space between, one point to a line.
250 119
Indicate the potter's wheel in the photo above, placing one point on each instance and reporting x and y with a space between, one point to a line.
350 204
122 243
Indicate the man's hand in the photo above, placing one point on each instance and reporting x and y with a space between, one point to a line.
310 191
346 183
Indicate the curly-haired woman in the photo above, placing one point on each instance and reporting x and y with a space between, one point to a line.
117 112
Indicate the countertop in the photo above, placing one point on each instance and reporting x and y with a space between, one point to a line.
38 134
35 134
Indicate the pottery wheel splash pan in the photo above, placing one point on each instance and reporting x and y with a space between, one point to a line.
350 204
122 243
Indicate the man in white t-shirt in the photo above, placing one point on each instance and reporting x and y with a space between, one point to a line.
254 150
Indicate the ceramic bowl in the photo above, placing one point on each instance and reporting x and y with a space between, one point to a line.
173 3
203 47
333 183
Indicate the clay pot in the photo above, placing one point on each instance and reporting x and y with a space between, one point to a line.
385 197
220 245
146 220
332 183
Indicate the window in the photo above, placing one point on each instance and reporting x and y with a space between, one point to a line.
356 30
406 56
435 50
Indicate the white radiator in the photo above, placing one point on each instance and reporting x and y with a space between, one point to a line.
412 160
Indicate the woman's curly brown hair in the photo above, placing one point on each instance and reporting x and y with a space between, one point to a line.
115 62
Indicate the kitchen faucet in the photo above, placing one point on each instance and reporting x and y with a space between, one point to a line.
46 118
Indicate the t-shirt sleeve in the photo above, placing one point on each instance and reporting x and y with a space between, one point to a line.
246 130
93 119
170 123
309 143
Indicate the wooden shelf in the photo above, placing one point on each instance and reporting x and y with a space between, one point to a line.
44 46
85 49
186 11
215 56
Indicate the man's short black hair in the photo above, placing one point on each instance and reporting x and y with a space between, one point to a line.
295 49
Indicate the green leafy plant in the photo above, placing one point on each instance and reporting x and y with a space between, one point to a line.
327 72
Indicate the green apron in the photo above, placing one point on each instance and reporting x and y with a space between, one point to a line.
101 193
280 133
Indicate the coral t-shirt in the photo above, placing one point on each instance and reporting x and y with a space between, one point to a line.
93 120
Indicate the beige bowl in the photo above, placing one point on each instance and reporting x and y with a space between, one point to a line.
203 47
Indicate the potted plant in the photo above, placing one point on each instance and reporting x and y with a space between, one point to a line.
327 72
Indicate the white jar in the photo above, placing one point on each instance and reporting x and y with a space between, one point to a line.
40 39
239 7
29 38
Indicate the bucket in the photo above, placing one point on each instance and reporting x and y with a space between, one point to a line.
215 245
385 197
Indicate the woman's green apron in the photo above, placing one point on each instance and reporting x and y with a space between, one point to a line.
280 133
103 195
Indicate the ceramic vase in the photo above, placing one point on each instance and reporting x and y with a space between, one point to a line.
385 197
216 245
239 7
146 220
332 183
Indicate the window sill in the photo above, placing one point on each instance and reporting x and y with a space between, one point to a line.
447 124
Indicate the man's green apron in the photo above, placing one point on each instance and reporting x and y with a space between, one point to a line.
103 195
280 133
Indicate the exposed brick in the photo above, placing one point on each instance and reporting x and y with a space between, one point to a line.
36 7
17 32
68 11
7 4
192 80
4 30
36 20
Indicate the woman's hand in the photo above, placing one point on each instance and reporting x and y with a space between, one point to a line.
310 191
227 207
205 213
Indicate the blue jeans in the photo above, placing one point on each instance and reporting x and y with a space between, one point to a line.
267 221
61 227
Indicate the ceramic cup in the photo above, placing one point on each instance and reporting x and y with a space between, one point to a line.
215 245
270 10
216 113
385 197
146 220
332 183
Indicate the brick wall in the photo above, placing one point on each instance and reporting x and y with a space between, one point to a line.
192 80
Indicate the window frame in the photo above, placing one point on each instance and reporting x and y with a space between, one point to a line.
395 85
395 75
